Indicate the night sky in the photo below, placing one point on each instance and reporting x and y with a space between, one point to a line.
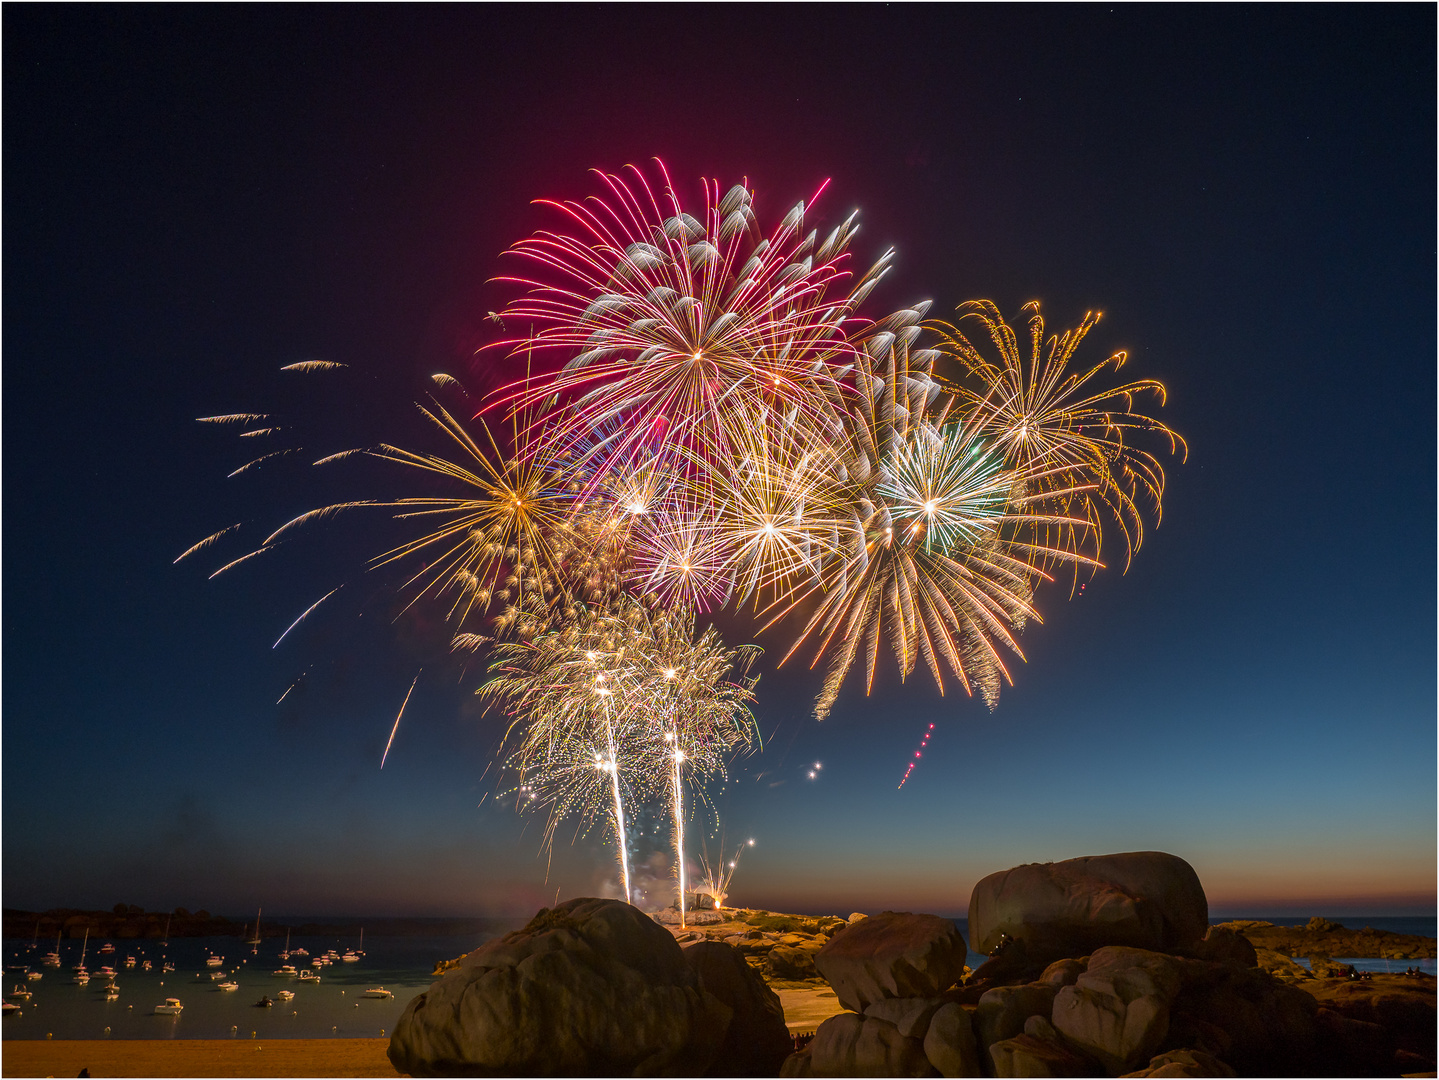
194 198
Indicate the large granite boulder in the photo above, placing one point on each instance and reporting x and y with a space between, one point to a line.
892 955
1002 1011
1038 1051
1146 899
949 1042
758 1040
589 988
1118 1010
854 1045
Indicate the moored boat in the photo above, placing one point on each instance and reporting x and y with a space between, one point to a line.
379 992
172 1007
228 986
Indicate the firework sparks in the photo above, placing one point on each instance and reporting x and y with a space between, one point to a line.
1043 413
714 423
684 327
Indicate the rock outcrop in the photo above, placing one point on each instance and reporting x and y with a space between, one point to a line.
1117 1012
589 988
757 1041
1144 899
1322 937
892 955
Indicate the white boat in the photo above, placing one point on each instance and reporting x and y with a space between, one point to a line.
81 965
52 959
228 986
286 971
105 973
379 992
129 961
300 952
214 961
349 958
82 978
166 967
145 966
215 975
285 952
286 995
22 992
166 939
9 1008
172 1007
309 976
106 949
359 950
254 939
112 992
33 975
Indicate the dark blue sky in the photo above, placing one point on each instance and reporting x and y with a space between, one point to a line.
194 198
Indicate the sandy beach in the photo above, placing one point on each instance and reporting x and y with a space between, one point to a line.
805 1009
196 1057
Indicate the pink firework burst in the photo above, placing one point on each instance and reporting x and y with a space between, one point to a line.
682 327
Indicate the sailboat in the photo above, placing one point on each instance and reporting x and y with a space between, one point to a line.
255 941
53 959
285 954
82 975
360 950
166 940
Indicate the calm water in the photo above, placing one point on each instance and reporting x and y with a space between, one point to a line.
332 1008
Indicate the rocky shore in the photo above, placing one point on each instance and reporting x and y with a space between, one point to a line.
1324 939
1100 966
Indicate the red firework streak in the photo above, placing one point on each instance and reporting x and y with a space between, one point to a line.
917 754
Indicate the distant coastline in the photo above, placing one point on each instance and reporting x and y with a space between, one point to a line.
135 923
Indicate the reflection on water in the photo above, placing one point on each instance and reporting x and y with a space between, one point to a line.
335 1006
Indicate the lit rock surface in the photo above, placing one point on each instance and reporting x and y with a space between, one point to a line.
1027 1055
1118 1010
854 1045
910 1015
1184 1063
949 1043
1003 1010
892 955
589 988
1147 899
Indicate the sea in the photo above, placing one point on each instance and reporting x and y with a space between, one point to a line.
333 1007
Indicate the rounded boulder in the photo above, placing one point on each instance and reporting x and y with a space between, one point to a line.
588 988
1143 899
